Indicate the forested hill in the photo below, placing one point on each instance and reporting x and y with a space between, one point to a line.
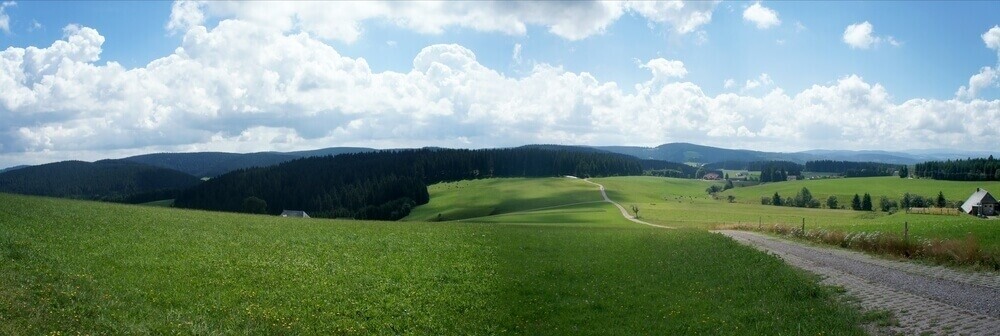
987 169
211 164
853 169
104 180
685 152
385 184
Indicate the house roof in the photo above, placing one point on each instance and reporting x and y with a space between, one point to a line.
981 196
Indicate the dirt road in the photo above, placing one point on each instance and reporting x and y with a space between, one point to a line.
924 299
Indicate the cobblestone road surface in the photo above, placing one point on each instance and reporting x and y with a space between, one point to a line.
924 299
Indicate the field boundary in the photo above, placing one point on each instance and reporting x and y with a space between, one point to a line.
620 207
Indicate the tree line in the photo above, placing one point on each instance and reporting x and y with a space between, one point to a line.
755 165
980 169
385 185
106 180
805 199
852 168
667 169
777 171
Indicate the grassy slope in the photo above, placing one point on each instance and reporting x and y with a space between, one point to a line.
844 189
685 203
478 198
89 267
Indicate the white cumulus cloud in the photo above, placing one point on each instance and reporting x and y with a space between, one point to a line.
987 76
242 86
663 69
992 38
344 20
862 36
4 17
761 16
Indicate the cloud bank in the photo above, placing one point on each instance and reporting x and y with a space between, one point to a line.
244 86
342 20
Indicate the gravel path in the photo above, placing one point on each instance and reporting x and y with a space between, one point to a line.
622 209
924 299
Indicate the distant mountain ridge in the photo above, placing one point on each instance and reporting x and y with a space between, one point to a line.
105 179
686 152
212 164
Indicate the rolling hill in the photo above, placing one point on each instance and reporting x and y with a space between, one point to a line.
212 164
107 179
686 152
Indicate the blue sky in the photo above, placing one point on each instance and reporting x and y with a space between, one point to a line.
917 57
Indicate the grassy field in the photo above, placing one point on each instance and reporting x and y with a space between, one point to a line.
685 203
487 197
86 267
845 188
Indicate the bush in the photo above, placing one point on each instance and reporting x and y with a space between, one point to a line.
254 205
831 202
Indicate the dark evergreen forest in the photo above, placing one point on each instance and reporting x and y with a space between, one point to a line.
777 171
386 185
755 165
108 180
852 169
987 169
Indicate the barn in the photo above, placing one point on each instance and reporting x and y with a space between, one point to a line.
294 213
981 203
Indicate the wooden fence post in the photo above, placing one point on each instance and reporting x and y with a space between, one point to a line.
906 232
803 226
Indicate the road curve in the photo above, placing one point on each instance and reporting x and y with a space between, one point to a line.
622 209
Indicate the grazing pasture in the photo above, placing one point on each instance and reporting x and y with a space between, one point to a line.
488 197
685 203
85 267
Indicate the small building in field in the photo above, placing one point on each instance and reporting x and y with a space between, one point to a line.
294 214
981 203
712 176
791 178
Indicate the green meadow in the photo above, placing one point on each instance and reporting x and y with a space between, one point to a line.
98 268
685 203
490 197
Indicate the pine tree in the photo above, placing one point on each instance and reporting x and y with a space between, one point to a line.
776 200
866 202
941 201
856 203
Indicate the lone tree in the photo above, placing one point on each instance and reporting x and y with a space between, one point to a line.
635 210
776 200
254 205
831 202
866 202
941 202
856 203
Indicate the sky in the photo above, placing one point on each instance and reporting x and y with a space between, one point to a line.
94 80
